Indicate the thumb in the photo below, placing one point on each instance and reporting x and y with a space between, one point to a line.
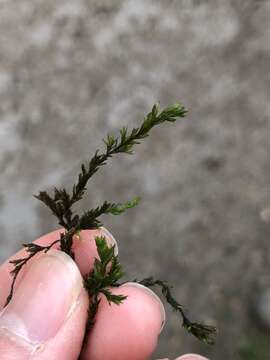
46 316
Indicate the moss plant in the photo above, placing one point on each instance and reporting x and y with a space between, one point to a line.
100 279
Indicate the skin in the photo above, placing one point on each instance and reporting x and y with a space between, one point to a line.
129 331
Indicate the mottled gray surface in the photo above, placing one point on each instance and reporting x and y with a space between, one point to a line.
71 71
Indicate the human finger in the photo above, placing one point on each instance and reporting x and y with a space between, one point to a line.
126 331
84 247
46 316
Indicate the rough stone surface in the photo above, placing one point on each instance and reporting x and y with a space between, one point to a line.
72 71
263 308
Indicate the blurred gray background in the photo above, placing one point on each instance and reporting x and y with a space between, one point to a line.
72 71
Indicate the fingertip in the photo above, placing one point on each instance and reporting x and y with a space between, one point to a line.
191 357
126 331
84 247
46 316
6 268
110 239
153 297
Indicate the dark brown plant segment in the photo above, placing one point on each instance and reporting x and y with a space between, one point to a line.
107 270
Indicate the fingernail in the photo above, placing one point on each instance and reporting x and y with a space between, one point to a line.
154 297
191 357
110 239
44 298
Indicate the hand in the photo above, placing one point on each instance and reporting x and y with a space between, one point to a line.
46 316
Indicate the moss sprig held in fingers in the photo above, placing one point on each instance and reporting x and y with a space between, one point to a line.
107 270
